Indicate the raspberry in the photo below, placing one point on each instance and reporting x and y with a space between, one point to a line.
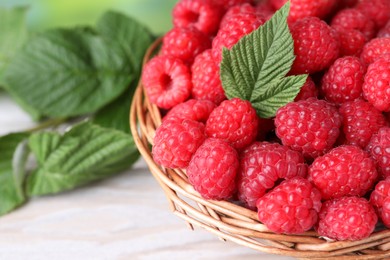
167 81
310 126
204 15
377 10
308 90
265 9
290 208
353 19
303 8
344 80
230 3
376 87
380 200
184 44
234 121
351 41
347 218
385 31
345 171
347 3
360 121
205 79
175 142
213 169
237 10
197 110
233 30
374 49
316 45
261 165
378 147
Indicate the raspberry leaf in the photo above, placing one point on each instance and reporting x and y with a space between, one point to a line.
13 159
13 34
85 153
63 73
255 68
271 99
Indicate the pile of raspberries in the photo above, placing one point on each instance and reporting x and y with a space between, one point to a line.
323 162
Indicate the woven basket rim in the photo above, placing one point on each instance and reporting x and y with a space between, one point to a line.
230 221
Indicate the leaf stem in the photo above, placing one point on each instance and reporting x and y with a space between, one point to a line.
46 124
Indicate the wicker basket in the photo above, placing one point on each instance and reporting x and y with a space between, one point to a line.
229 221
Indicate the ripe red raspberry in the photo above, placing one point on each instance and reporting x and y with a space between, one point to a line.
345 171
377 10
197 110
234 121
347 3
385 31
265 9
176 141
213 169
303 8
380 200
237 10
308 90
184 44
351 42
310 126
206 80
233 30
360 121
261 165
379 149
204 15
376 87
353 19
375 49
344 80
167 81
230 3
316 45
290 208
346 218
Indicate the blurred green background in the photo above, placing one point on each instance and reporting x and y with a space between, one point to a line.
43 14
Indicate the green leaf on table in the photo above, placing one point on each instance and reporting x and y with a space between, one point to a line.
71 72
255 68
64 73
14 153
116 114
13 34
84 154
127 35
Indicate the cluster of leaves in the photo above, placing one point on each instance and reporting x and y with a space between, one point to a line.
58 76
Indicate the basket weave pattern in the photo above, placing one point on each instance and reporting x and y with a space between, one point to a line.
227 220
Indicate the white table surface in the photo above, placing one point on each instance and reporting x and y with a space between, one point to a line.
124 217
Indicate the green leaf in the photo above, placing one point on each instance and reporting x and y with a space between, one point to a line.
13 34
70 72
129 36
84 154
13 159
268 102
116 114
64 73
255 68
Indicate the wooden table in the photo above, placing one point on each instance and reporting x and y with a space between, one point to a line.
124 217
